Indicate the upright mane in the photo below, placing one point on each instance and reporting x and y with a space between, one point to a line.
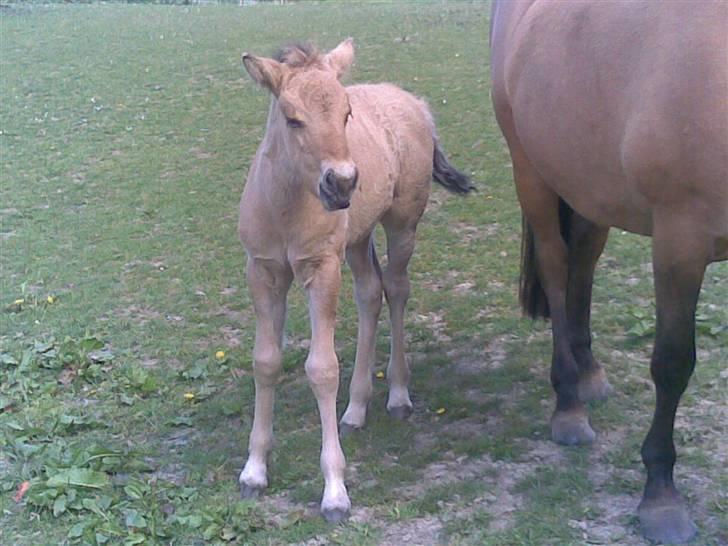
298 55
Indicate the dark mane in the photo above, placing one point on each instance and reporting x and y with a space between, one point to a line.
298 54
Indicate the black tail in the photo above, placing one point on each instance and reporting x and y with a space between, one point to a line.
448 176
530 291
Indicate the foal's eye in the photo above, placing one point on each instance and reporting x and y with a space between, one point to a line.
294 123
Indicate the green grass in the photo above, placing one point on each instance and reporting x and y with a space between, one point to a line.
127 131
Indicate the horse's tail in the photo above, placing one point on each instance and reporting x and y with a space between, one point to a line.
530 291
446 175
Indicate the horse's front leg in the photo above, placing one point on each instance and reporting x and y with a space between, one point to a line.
322 283
268 283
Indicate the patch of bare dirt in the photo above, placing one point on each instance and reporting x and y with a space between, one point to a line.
473 233
231 336
235 316
138 313
476 362
420 531
435 322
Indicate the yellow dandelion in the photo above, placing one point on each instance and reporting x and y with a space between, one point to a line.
189 396
50 299
220 355
19 301
440 411
380 374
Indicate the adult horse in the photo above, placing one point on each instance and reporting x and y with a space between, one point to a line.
616 114
327 147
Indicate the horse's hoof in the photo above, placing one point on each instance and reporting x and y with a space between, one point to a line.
594 386
666 522
250 491
571 428
335 515
400 413
346 429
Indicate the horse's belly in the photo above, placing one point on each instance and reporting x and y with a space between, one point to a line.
607 200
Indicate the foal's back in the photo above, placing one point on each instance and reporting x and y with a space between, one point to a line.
391 139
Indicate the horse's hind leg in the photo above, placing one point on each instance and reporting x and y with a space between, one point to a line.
540 205
362 259
400 245
268 283
586 242
679 265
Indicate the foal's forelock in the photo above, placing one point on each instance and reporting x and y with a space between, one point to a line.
297 55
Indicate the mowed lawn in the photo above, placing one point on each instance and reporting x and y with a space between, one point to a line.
125 135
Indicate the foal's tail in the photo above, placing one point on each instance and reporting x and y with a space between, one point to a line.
446 175
530 290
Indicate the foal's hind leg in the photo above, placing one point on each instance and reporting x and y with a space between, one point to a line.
268 283
679 265
586 242
362 259
400 245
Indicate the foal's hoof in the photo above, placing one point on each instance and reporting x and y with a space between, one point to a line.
571 428
666 522
400 413
594 386
250 491
335 515
346 429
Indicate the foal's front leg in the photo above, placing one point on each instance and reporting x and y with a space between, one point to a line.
268 283
322 282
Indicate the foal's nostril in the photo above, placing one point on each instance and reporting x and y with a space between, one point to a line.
330 178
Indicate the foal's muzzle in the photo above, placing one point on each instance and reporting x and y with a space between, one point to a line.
335 190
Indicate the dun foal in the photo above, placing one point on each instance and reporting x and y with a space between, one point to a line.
333 163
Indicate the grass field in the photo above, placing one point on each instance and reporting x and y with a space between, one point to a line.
126 133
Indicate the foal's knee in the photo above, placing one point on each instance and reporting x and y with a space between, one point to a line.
322 372
267 365
369 295
397 287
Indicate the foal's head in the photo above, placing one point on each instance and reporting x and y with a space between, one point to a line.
310 116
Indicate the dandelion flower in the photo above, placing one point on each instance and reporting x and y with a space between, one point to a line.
50 299
440 411
380 374
189 396
220 355
19 301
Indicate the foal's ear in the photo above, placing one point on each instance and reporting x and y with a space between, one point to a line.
341 57
266 72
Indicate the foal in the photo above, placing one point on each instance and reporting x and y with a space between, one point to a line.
333 163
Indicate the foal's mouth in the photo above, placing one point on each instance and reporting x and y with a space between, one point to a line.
332 202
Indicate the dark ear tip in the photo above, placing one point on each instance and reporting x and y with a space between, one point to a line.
245 56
